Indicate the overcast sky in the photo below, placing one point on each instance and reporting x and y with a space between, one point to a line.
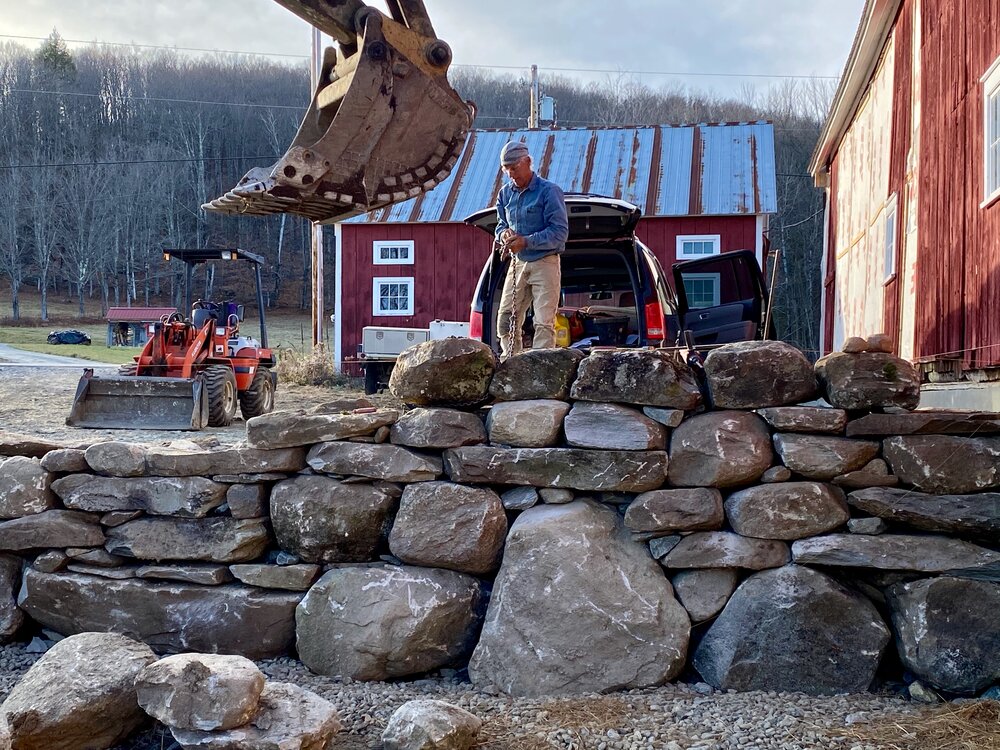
762 37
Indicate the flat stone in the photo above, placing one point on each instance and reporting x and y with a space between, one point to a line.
65 461
571 468
723 549
536 373
389 462
217 539
437 429
720 449
944 464
184 497
287 429
666 417
536 423
97 570
787 511
705 592
519 498
861 479
976 516
755 374
53 528
612 427
288 577
132 460
25 487
118 517
94 556
805 419
693 509
822 457
249 477
930 554
775 475
644 377
930 422
867 526
205 574
16 444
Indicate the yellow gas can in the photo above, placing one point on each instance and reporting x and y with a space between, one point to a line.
562 330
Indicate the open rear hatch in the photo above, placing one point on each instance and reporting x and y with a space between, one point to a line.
384 124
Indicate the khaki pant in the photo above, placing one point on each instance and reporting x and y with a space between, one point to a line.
537 283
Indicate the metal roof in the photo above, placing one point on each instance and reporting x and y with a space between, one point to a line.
138 314
666 170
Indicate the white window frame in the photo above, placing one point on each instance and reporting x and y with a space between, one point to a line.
377 296
380 250
991 134
717 282
890 237
715 239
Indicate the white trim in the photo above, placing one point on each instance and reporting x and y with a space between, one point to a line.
716 293
338 287
380 252
823 343
759 226
715 239
991 151
376 295
890 245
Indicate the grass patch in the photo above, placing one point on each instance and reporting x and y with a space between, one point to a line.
974 725
33 340
311 368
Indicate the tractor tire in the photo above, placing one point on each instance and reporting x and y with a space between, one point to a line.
220 389
259 397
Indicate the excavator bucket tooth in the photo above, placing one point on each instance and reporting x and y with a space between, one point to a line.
384 125
139 403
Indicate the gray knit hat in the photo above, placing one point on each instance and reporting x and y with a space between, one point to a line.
511 152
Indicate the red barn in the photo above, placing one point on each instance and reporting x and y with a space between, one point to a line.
702 188
910 161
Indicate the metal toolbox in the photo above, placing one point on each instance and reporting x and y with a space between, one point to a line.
384 342
442 329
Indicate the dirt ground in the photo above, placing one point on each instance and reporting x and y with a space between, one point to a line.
35 401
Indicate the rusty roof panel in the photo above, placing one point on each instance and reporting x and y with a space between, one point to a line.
716 168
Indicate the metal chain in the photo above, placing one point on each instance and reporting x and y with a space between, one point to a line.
513 326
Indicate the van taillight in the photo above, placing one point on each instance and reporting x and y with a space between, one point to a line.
655 324
476 326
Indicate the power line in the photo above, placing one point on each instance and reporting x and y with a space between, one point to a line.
134 161
455 65
132 97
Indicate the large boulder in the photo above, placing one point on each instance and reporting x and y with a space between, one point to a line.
387 622
286 429
323 520
536 373
431 725
804 418
612 427
788 510
25 487
976 516
200 691
578 607
185 497
79 696
947 631
945 464
757 374
444 372
446 525
720 449
53 528
869 380
436 429
170 617
793 629
216 539
390 463
645 377
536 423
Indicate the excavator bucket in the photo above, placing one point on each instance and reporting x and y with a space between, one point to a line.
384 124
139 403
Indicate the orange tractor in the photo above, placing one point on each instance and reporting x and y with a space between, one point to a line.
193 372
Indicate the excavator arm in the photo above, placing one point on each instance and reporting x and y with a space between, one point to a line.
384 124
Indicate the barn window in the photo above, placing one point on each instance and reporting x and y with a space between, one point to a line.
701 289
392 295
392 252
697 246
991 133
890 238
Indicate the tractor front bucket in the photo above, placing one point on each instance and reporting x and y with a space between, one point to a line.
384 124
139 403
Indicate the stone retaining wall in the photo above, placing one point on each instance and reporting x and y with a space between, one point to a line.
596 526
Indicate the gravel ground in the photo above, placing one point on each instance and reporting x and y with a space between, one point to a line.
675 717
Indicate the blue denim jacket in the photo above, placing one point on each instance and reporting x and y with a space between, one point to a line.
537 213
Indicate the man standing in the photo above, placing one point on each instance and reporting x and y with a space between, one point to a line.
532 227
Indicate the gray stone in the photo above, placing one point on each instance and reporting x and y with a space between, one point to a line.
388 462
676 510
976 516
793 630
208 692
286 577
612 427
134 460
536 373
936 422
218 539
555 496
118 517
577 608
249 477
80 694
776 474
184 497
720 449
170 617
571 468
437 429
342 405
288 718
756 374
867 381
661 545
854 345
644 377
286 429
946 631
705 592
25 487
323 520
666 417
65 461
16 444
805 419
387 621
431 725
822 457
204 574
930 554
865 477
96 570
919 693
247 500
443 372
11 618
446 525
943 464
53 528
867 526
722 549
519 498
526 424
790 510
880 342
50 562
94 556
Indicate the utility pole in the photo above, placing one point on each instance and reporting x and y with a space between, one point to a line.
317 229
535 91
